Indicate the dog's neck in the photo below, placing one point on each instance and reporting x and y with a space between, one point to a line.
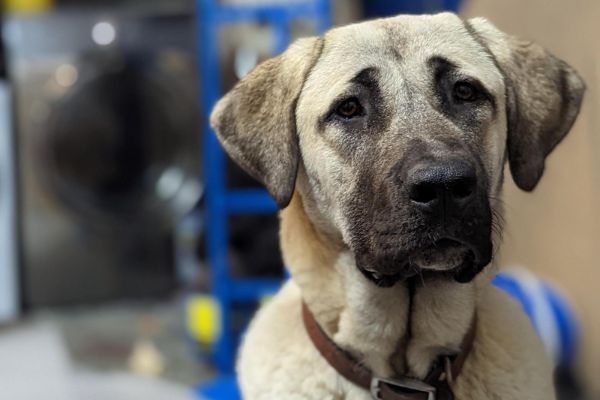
399 330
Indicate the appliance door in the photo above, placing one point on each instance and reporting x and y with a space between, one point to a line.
108 153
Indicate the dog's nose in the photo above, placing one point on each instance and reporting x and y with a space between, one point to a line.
443 185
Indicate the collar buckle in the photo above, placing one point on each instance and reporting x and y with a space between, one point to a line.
401 385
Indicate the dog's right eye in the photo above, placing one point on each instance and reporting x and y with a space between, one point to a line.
465 91
349 108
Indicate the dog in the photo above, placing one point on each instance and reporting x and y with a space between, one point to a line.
384 145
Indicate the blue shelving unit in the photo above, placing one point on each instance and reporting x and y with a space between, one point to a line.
382 8
220 202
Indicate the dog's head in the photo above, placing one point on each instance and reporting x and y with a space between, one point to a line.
396 131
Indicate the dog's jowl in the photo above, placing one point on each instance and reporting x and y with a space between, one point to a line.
384 144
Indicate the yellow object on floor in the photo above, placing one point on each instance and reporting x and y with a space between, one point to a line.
27 6
203 316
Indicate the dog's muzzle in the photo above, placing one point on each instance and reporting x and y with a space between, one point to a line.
449 231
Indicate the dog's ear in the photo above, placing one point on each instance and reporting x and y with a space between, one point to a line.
544 95
256 121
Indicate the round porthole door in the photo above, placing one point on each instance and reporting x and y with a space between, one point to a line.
122 143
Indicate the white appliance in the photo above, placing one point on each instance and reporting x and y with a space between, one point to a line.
107 131
9 280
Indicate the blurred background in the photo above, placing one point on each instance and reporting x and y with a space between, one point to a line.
133 252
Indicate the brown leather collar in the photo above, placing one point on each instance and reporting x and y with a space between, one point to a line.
436 386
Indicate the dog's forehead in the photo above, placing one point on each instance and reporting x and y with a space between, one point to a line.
405 43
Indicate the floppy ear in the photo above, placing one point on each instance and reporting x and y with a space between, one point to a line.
544 95
256 121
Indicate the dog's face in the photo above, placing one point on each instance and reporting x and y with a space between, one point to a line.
404 146
401 128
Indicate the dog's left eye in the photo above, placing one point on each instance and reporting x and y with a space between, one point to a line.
465 91
349 108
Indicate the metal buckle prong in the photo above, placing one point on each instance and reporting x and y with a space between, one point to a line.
401 383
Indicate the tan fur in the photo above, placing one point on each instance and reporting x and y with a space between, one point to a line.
269 124
278 360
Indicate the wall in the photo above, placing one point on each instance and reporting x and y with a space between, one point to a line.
556 229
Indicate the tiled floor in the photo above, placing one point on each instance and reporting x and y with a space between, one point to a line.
87 352
104 337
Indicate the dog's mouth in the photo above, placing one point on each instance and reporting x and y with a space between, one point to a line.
448 257
442 255
386 280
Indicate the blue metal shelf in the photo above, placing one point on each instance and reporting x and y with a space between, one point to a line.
250 201
269 12
252 289
220 202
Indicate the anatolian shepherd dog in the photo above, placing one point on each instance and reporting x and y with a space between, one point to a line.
384 143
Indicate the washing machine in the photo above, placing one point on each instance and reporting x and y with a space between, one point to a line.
107 131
